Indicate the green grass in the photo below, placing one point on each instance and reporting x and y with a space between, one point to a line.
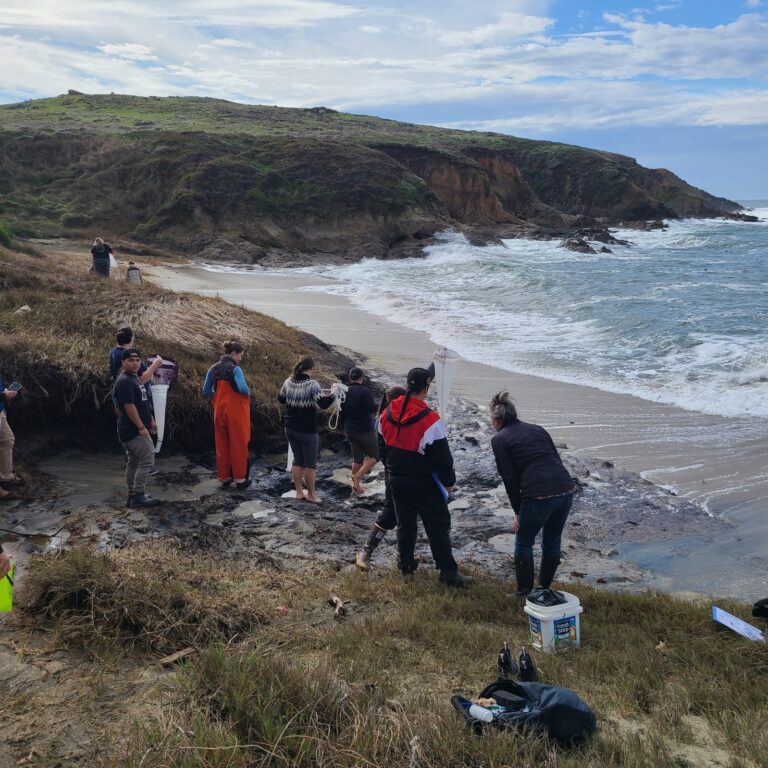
305 690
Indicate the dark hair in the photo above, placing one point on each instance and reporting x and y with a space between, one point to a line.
391 394
124 335
355 373
305 363
418 380
232 346
502 407
130 353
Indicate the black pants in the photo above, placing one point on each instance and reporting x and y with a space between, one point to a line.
387 519
413 501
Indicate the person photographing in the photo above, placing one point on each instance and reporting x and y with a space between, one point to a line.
420 467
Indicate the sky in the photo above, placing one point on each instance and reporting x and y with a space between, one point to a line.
680 84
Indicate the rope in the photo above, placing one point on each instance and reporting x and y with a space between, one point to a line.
339 392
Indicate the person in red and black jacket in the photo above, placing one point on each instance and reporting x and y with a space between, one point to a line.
420 467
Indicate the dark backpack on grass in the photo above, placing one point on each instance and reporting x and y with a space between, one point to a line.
556 712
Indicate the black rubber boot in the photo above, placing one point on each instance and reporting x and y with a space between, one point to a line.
524 575
142 500
363 557
547 570
454 579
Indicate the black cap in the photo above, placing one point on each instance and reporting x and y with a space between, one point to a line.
131 353
418 379
355 373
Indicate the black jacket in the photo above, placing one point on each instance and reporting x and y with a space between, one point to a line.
528 462
358 410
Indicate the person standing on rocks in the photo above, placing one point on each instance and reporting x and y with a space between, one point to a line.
357 411
302 396
225 385
133 274
421 474
101 252
539 487
7 440
134 424
386 519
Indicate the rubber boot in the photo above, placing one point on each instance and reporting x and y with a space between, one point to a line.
454 579
547 570
363 557
524 575
142 500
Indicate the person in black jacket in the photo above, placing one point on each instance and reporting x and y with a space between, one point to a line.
421 472
539 487
101 252
357 411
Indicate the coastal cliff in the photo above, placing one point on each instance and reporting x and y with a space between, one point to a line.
220 180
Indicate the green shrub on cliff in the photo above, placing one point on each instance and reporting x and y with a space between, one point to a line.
6 237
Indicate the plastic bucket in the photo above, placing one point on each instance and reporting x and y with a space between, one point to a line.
556 626
167 373
159 401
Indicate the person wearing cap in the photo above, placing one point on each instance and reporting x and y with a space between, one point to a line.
134 425
357 411
421 472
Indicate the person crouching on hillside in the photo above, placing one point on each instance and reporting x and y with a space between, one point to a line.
539 487
386 519
302 396
418 457
134 424
357 411
225 385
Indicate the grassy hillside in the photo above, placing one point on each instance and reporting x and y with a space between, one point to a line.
59 349
302 689
187 172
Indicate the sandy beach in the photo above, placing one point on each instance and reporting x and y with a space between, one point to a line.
715 461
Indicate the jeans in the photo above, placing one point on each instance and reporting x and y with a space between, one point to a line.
546 515
141 460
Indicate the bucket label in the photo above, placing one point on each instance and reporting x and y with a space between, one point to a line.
565 630
535 625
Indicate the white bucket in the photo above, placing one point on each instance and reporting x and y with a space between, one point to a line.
159 400
556 626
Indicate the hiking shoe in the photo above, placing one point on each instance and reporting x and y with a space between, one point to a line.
226 484
15 480
363 560
454 579
129 502
245 484
142 500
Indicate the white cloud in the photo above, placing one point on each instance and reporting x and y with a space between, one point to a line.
507 26
753 3
129 51
371 30
229 42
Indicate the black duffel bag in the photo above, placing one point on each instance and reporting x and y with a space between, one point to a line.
557 712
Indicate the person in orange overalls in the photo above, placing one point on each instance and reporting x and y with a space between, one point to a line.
225 385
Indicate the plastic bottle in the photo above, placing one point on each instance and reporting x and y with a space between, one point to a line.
505 663
528 672
473 710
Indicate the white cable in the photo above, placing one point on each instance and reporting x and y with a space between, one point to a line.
339 392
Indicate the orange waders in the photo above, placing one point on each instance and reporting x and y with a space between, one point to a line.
232 427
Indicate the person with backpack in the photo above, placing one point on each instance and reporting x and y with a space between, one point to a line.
357 412
302 396
226 387
539 487
386 519
101 252
421 474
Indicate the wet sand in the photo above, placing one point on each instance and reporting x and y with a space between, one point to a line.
717 462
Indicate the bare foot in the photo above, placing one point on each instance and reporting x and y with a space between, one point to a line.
301 498
313 499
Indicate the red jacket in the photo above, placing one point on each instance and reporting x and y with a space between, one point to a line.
417 445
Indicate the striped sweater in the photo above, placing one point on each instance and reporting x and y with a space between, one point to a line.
301 397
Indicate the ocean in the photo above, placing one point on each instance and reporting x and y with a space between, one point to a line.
678 316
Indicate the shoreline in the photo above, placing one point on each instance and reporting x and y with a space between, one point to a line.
713 461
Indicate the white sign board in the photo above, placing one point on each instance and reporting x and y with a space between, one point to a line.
736 624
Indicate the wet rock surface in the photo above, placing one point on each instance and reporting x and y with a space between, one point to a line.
85 505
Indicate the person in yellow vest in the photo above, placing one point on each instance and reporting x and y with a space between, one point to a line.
6 581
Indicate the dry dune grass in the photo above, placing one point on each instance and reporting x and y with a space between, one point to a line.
59 349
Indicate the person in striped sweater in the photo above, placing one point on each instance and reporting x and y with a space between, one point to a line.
302 396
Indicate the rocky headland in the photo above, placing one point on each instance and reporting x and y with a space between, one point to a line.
224 181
